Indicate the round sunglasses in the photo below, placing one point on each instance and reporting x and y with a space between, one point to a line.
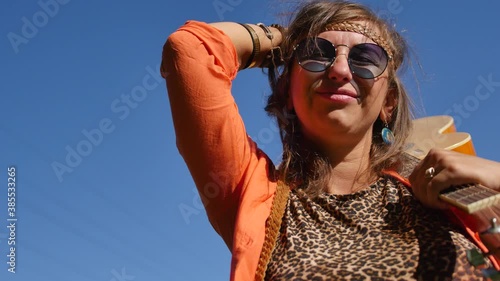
366 60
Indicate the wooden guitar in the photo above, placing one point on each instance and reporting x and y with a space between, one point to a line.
474 205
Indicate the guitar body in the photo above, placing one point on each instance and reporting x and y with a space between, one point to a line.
437 132
475 206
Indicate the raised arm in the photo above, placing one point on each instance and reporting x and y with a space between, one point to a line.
199 63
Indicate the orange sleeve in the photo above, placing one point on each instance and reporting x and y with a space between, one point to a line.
199 63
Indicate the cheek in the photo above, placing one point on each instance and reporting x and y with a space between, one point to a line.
302 84
296 87
377 100
297 78
381 91
374 91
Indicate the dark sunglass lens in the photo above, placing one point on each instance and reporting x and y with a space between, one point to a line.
315 54
368 60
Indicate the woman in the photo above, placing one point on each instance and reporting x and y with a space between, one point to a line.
334 87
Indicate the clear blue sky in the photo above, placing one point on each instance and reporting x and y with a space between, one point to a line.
80 88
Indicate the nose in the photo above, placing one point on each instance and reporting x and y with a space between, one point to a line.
340 70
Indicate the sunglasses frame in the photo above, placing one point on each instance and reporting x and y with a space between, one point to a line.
332 60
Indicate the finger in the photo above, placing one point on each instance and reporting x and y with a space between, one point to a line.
434 188
418 179
425 188
428 161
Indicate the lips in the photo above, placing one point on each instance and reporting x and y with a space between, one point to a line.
338 95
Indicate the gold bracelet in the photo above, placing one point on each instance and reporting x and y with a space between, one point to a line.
256 46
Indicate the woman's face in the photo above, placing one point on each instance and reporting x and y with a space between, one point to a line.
336 106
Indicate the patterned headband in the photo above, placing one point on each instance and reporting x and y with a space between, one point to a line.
361 29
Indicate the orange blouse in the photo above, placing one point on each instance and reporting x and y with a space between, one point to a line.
233 176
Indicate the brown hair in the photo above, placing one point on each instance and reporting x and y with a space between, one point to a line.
302 164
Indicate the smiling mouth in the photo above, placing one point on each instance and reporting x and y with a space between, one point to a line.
339 93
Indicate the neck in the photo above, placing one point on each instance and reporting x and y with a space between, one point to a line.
350 165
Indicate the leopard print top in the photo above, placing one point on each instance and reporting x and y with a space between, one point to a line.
380 233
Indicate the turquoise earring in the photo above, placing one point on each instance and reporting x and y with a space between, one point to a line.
387 134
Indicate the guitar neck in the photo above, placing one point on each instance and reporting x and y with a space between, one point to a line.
471 197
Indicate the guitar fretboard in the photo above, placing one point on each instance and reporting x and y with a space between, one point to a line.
471 198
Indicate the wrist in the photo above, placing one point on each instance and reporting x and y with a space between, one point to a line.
266 41
274 56
256 46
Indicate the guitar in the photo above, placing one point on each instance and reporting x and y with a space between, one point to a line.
476 206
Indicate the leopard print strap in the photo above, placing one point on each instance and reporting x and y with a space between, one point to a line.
273 224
